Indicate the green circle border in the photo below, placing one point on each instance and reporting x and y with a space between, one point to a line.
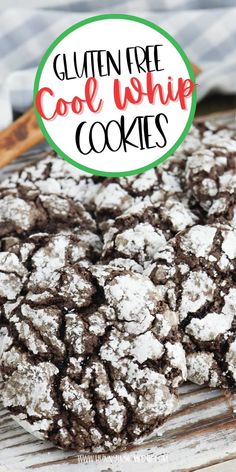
122 17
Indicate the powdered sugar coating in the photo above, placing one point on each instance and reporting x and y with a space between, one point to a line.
30 387
211 174
32 200
203 369
12 276
83 369
197 272
93 338
117 195
18 215
53 176
143 229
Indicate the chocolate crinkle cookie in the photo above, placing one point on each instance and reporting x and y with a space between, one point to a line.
201 174
90 356
196 272
26 208
114 196
142 230
43 265
103 281
53 176
211 175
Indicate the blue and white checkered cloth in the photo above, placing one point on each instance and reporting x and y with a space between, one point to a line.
206 29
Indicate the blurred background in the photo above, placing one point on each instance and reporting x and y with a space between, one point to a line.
206 29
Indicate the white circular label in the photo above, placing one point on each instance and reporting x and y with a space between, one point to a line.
115 95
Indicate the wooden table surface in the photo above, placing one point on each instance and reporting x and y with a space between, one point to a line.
200 436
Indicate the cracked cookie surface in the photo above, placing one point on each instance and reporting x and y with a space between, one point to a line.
90 355
211 175
97 365
142 230
196 272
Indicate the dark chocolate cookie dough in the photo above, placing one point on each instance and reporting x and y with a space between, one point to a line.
90 357
211 175
196 272
23 212
142 230
53 176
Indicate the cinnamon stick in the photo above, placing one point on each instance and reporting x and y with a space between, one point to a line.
19 137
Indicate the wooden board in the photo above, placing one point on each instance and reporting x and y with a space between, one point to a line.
201 433
200 436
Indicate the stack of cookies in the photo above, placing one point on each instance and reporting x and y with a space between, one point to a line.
115 291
